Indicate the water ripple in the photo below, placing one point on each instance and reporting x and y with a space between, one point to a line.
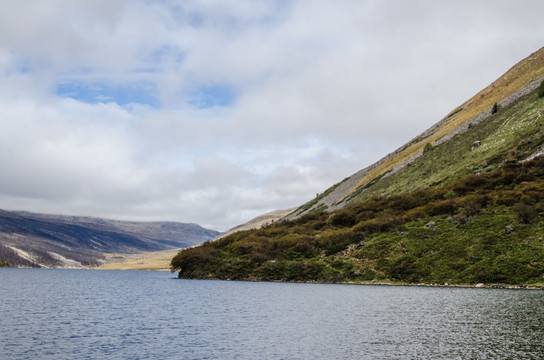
83 314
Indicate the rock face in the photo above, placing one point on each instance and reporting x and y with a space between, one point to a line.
38 240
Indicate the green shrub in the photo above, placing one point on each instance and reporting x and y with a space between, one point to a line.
379 224
471 183
341 218
428 147
525 212
190 259
406 269
406 201
4 263
541 90
495 109
441 207
338 242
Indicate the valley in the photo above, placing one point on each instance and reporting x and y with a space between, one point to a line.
56 241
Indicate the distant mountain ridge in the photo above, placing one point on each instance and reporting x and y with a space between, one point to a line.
42 240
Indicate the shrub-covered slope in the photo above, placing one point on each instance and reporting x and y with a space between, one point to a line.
466 207
484 228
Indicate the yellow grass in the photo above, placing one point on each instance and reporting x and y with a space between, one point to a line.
159 260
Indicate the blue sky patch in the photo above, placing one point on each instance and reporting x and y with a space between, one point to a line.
213 95
167 53
95 92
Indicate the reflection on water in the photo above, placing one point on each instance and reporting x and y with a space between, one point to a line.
85 314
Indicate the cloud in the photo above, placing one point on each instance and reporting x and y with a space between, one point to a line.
217 111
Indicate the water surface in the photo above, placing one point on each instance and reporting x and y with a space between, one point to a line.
87 314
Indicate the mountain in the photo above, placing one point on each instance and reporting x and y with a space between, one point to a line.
403 170
460 203
258 222
161 260
39 240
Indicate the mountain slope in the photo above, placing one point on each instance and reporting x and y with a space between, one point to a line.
520 80
258 222
28 239
461 203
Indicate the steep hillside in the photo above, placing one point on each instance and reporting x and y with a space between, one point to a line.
258 222
461 203
28 239
520 80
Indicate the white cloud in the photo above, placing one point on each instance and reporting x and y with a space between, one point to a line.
319 90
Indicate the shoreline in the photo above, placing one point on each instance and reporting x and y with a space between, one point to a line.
384 283
365 283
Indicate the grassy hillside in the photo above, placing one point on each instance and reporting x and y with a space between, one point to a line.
467 208
485 228
521 79
513 133
512 81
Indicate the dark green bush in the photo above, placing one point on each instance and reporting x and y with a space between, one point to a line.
406 201
441 207
495 109
471 183
379 224
541 90
428 147
341 218
526 213
406 269
190 259
4 263
338 242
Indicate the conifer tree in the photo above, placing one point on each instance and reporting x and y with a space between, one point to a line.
495 108
541 90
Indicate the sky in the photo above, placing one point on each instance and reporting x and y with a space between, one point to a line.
216 111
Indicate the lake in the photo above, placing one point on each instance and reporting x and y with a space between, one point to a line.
91 314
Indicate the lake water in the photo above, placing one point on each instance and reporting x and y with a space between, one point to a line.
87 314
